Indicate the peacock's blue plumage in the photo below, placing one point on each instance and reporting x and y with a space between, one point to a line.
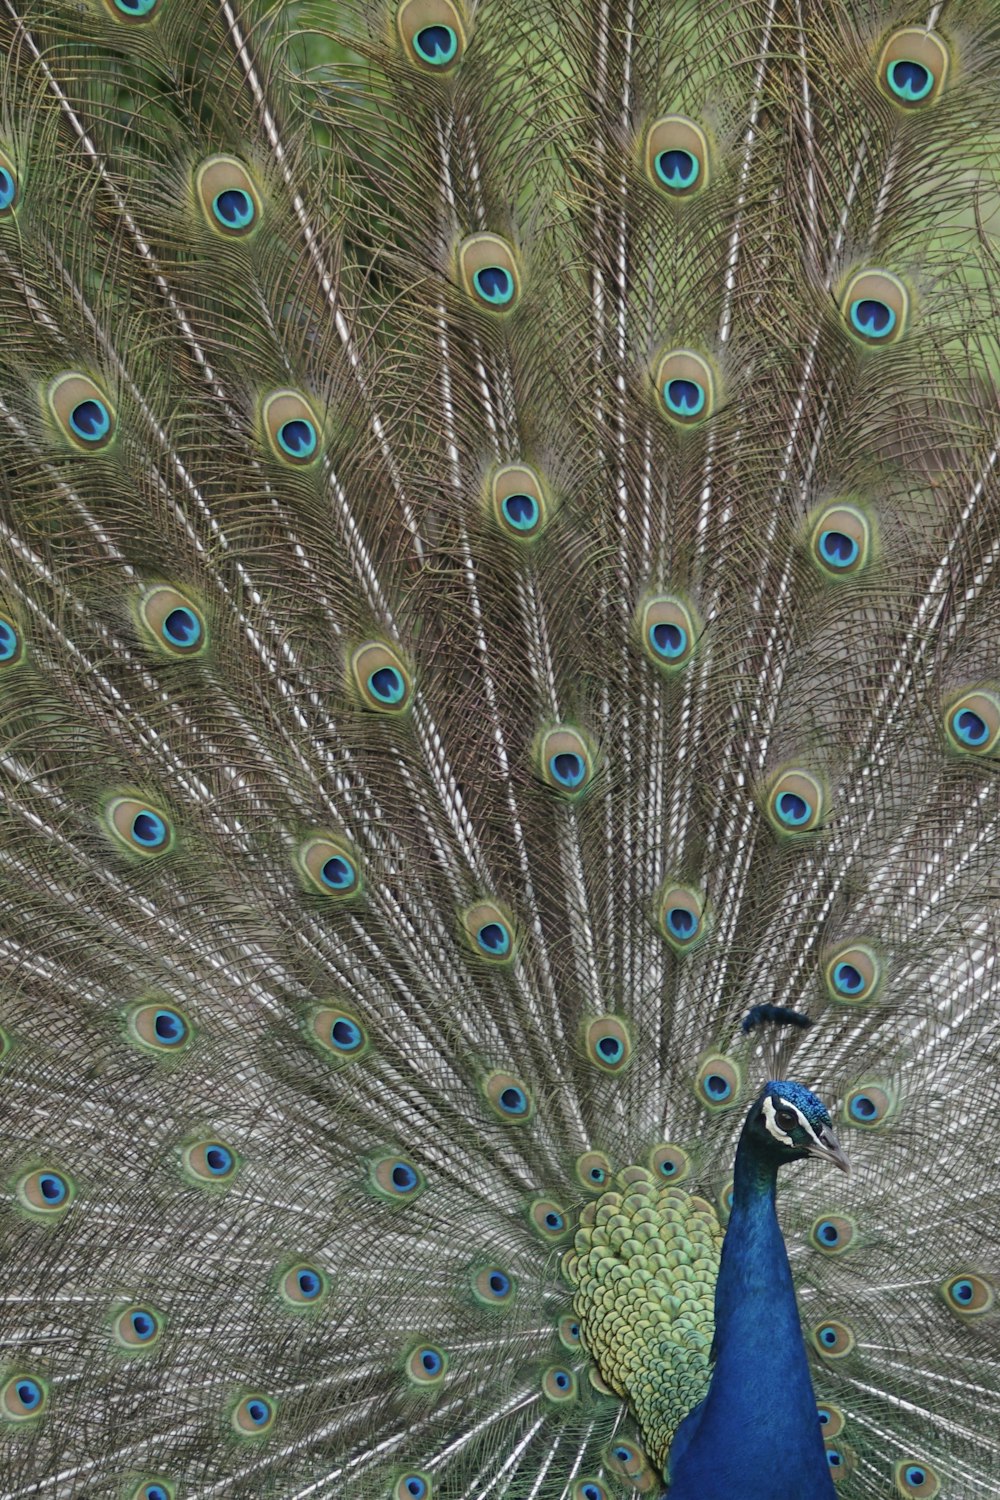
499 573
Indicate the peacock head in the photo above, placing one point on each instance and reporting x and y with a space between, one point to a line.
787 1123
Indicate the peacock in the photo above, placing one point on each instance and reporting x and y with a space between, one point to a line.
500 737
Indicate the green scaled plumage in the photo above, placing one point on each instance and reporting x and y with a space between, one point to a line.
498 576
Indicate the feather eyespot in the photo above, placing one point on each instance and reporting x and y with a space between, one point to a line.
492 1287
291 428
228 197
45 1192
559 1384
380 678
669 1163
973 722
568 1330
489 272
832 1339
627 1459
23 1397
395 1179
8 186
412 1487
968 1295
489 932
565 762
253 1416
133 10
608 1043
158 1028
686 386
139 826
841 1462
11 644
432 34
330 866
548 1220
172 621
833 1234
519 502
83 412
831 1420
137 1328
668 631
682 918
868 1105
588 1489
593 1171
677 156
427 1365
840 540
508 1097
209 1163
303 1285
853 974
153 1489
913 67
915 1479
795 803
339 1032
718 1081
875 306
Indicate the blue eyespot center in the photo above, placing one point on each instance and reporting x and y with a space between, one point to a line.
561 1379
337 873
873 318
431 1361
611 1048
346 1035
513 1100
521 511
863 1108
597 1174
298 438
824 1416
8 641
590 1492
668 640
838 549
437 45
554 1221
169 1027
909 80
258 1411
681 922
494 284
828 1232
499 1284
915 1475
52 1188
568 768
970 727
415 1486
718 1087
218 1159
963 1291
139 8
143 1325
493 937
148 829
234 208
387 685
685 398
404 1178
155 1492
668 1168
29 1393
623 1454
182 627
7 188
847 979
828 1336
793 809
834 1458
677 169
309 1284
90 420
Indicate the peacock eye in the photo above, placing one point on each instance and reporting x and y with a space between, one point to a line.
786 1118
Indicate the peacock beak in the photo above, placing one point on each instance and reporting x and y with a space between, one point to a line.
828 1148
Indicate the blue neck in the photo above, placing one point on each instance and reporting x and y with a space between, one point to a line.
756 1434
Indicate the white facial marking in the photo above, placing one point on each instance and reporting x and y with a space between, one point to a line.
770 1120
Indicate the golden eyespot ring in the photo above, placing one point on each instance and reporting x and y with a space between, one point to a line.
686 387
395 1179
137 1328
868 1105
228 197
875 306
23 1396
833 1233
681 916
840 540
915 1479
492 1286
140 826
339 1032
46 1192
913 67
254 1415
593 1171
291 428
427 1365
330 866
159 1027
718 1081
669 1163
795 803
489 272
559 1384
676 156
303 1285
413 1485
831 1419
381 679
489 932
173 622
548 1220
82 410
508 1097
566 762
608 1043
853 974
832 1339
568 1330
668 631
432 34
968 1295
972 722
519 502
210 1161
